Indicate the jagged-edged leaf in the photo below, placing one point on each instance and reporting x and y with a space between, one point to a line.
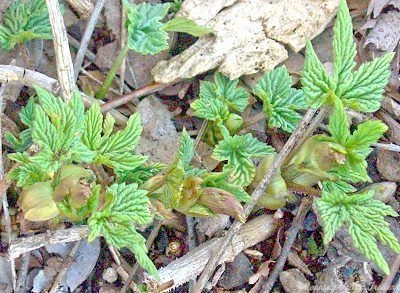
338 124
108 126
367 84
122 161
27 113
140 174
186 149
78 108
145 29
365 135
124 140
61 116
236 190
210 109
274 85
280 101
241 146
227 90
129 204
364 217
317 84
93 127
21 143
172 188
238 150
185 25
356 146
344 47
24 21
43 131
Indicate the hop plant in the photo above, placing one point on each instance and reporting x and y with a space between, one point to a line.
57 181
23 22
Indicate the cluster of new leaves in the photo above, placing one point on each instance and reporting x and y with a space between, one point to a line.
24 21
195 191
281 102
217 103
148 34
239 150
217 100
360 90
355 147
364 218
64 134
126 205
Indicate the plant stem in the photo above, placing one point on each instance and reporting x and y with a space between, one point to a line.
113 71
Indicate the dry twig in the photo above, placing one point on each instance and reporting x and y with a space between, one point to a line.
291 237
23 245
387 281
65 266
86 37
186 268
15 74
61 48
130 97
6 213
293 140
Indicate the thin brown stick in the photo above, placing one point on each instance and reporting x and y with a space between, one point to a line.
291 237
86 37
65 266
76 44
14 74
294 138
65 71
308 132
149 243
6 213
84 8
253 120
23 245
387 281
136 94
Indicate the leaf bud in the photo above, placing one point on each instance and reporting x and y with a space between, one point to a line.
37 203
222 202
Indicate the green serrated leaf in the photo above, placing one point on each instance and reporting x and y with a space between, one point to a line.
210 109
317 84
344 48
338 124
365 220
129 204
93 127
24 21
145 29
172 188
280 101
185 25
227 90
43 132
238 150
367 84
186 149
27 113
124 140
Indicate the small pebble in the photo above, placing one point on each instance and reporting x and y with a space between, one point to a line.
110 275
